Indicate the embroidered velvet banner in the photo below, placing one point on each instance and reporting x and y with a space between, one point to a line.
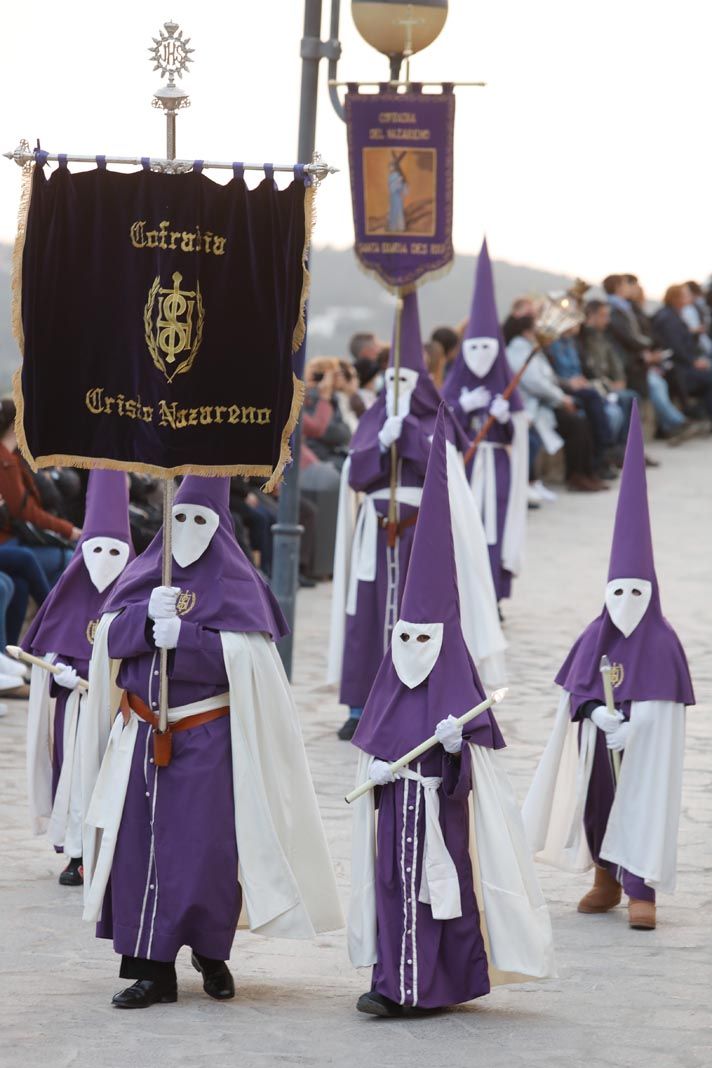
160 313
400 157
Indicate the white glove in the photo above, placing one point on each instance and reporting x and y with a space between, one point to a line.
499 408
380 772
162 602
472 399
166 631
617 739
604 720
66 677
390 431
449 733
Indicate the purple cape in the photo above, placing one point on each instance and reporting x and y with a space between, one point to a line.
229 592
396 718
652 659
61 625
483 322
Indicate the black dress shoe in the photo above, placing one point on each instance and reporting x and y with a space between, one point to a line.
144 993
348 730
217 980
73 874
379 1005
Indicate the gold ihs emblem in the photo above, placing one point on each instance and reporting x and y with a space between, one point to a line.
91 630
186 602
173 322
617 674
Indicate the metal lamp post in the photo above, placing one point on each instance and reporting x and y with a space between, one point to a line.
398 30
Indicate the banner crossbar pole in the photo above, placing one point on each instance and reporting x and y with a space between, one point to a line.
22 155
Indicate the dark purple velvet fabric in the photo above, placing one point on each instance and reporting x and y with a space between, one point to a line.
652 658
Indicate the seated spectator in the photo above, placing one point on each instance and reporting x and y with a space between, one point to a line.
553 412
325 430
604 369
257 515
24 517
370 380
694 369
28 580
567 364
631 333
698 317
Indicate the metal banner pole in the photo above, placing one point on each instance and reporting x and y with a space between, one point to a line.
393 502
171 55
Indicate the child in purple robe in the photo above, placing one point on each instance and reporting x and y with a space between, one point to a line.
162 868
578 812
500 469
371 560
426 910
63 633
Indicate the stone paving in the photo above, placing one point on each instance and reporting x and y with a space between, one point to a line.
623 998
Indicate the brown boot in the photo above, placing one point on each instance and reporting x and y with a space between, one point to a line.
605 894
641 914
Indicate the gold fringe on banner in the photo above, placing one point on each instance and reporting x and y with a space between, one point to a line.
285 452
18 249
300 330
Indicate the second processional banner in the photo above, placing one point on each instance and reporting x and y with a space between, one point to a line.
160 313
401 162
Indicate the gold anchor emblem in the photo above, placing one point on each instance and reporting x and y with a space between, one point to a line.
617 674
169 327
186 602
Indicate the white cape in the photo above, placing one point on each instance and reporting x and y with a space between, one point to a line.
514 918
287 879
641 835
39 748
478 605
484 488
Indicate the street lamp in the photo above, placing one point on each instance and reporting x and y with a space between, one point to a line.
399 30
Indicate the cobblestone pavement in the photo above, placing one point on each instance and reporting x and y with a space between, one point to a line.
623 998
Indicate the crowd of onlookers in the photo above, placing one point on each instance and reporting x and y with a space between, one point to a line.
578 391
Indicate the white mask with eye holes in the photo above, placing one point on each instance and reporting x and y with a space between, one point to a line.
627 602
479 353
414 649
407 381
193 528
105 559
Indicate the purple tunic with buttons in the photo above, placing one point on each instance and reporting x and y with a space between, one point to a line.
174 872
174 875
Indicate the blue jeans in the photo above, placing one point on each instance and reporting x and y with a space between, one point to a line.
668 416
619 415
52 559
7 592
534 447
19 566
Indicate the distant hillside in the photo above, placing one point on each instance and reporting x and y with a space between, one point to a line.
344 301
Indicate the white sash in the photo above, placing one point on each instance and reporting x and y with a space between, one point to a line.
484 487
439 884
364 550
65 825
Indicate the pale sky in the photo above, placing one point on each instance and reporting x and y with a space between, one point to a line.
588 152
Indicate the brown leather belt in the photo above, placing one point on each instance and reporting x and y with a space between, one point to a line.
134 702
399 527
